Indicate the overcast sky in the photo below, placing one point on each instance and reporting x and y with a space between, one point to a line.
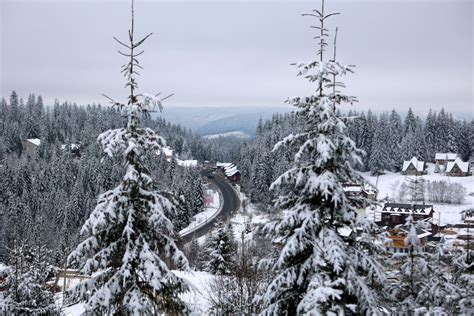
238 53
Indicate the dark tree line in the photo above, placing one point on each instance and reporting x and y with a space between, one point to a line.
48 195
387 138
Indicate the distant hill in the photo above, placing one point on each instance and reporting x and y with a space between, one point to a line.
235 134
218 120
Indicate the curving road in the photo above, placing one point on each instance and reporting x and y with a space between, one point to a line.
230 203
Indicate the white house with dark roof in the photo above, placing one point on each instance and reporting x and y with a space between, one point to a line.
458 168
413 167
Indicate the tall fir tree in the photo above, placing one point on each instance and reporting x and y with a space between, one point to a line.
410 124
129 249
426 283
393 142
430 135
380 157
221 250
320 269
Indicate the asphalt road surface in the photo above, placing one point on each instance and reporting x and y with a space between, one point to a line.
231 203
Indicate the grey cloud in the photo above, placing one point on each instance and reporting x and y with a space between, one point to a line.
232 53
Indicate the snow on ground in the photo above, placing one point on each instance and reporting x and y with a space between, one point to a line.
73 310
236 134
196 298
388 186
242 219
4 268
200 218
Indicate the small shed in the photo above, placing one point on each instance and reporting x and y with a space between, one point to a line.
468 216
413 167
30 145
458 168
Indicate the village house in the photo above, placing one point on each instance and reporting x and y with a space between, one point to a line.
413 167
393 214
398 235
441 159
30 145
229 170
222 165
361 190
458 168
232 173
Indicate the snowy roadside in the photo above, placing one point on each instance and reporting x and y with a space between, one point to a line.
200 219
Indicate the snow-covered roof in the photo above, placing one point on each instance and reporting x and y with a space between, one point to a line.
419 165
445 156
187 163
34 141
353 188
468 215
230 167
401 208
344 231
463 166
167 151
223 164
75 146
420 233
231 172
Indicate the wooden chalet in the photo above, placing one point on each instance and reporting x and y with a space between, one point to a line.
393 214
232 173
413 167
229 170
222 165
458 168
398 235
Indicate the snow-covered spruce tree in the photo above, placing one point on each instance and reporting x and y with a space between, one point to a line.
129 247
425 280
379 158
27 291
323 267
221 249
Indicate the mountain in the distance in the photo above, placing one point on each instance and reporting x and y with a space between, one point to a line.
219 120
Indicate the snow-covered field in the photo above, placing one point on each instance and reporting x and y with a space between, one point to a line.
388 186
